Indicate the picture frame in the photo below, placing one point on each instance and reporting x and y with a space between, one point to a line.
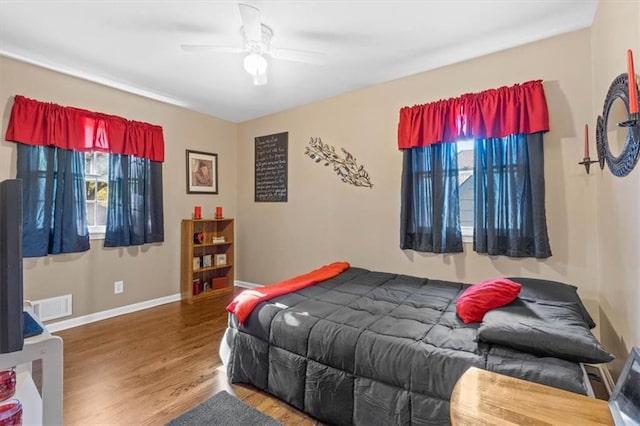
624 402
202 172
206 261
221 259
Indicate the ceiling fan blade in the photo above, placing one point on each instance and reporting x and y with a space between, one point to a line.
210 48
303 56
251 22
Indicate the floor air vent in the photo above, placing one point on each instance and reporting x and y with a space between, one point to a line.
55 307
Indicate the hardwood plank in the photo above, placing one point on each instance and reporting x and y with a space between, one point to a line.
148 367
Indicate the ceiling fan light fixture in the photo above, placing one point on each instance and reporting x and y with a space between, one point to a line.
256 46
255 64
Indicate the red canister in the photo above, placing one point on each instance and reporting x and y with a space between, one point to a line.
7 383
11 413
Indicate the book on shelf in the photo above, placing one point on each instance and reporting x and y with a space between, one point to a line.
220 282
197 286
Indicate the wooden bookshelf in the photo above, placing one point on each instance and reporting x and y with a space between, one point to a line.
209 262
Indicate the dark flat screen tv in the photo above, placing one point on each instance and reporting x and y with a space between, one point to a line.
11 298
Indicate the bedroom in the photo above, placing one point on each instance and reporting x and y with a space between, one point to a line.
591 217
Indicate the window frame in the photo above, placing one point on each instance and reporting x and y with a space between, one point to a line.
467 231
467 234
96 232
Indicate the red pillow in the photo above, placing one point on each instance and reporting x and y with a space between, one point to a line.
479 299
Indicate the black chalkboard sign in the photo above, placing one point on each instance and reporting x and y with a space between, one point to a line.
271 159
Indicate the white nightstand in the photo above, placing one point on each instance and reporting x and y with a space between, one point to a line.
46 407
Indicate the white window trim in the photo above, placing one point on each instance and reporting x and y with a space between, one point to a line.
97 232
467 231
467 234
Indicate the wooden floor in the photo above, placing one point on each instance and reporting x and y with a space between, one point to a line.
148 367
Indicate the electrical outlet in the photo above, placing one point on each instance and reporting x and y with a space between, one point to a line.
118 287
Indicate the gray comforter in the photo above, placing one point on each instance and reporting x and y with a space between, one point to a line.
373 348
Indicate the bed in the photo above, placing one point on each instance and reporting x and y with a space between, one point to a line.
369 348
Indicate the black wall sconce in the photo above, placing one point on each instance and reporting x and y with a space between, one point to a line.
625 88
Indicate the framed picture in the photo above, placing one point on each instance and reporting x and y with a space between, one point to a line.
271 168
624 402
206 261
202 172
221 259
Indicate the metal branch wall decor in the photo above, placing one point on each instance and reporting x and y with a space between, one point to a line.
346 168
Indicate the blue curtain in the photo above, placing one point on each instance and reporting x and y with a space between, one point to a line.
134 214
54 209
510 216
430 208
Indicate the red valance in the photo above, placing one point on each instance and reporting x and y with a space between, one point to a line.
494 113
46 124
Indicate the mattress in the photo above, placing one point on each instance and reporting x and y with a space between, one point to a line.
373 348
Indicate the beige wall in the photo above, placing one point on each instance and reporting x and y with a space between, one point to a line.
326 220
616 29
149 271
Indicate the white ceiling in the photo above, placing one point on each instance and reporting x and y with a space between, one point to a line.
135 45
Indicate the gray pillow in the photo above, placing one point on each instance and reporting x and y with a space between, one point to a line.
545 328
536 289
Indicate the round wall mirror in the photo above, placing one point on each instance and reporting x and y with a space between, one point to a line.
616 135
618 146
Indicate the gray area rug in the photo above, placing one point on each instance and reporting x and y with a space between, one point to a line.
223 409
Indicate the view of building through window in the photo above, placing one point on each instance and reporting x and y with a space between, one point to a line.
465 185
97 189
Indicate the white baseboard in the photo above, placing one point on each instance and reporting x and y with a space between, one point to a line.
110 313
245 284
98 316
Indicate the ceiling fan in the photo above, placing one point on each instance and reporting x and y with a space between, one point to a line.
256 38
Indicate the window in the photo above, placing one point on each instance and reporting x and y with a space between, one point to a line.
505 186
97 192
466 187
117 190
